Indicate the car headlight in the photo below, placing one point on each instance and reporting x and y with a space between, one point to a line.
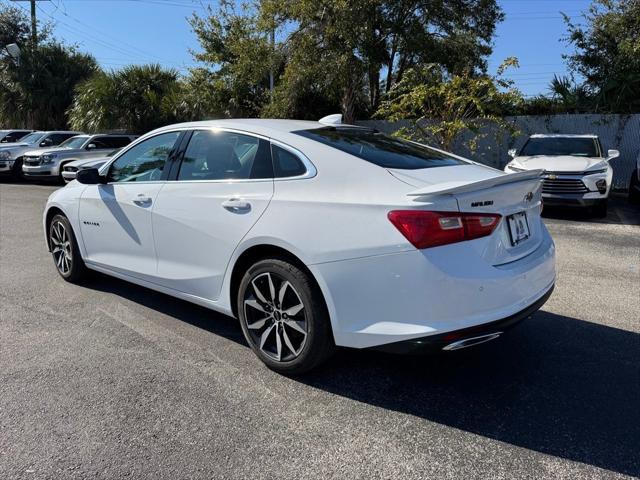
4 155
48 158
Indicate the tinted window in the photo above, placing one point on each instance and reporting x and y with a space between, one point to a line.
144 162
58 138
582 147
13 137
380 149
216 155
111 142
285 163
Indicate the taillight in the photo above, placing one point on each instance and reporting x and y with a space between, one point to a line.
426 229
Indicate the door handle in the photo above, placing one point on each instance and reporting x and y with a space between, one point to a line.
142 200
236 205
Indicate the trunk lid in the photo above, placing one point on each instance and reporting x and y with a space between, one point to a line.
479 189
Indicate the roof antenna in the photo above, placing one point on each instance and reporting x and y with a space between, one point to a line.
335 119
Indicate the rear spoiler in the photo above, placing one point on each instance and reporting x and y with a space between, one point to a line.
461 187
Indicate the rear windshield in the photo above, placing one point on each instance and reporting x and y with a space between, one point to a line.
380 149
580 147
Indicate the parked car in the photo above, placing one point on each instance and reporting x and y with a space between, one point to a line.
70 169
577 171
313 235
634 183
50 162
11 154
12 136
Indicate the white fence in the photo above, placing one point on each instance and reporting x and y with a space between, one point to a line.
621 132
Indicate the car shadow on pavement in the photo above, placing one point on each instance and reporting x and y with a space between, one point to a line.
554 384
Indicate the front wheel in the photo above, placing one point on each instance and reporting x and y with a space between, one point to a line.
65 252
283 317
16 171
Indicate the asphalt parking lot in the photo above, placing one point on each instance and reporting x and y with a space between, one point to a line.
111 380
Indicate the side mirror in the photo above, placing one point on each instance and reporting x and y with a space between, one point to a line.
47 142
90 176
611 154
91 146
513 153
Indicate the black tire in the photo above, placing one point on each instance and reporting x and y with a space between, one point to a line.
16 171
282 328
634 188
600 209
60 180
61 236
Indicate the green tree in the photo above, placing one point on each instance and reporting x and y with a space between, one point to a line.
608 54
334 54
353 42
440 107
37 91
136 99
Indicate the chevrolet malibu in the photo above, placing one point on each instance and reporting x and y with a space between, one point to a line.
313 234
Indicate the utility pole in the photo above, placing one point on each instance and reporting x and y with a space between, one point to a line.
34 24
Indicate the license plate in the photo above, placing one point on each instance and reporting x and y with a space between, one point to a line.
518 227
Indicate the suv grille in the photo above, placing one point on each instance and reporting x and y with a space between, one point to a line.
31 161
563 185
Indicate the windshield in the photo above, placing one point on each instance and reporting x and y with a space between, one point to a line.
380 149
553 146
74 142
32 137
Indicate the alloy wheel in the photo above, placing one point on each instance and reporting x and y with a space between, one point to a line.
61 248
275 317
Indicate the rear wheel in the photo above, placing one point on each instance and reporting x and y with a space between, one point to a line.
283 317
65 252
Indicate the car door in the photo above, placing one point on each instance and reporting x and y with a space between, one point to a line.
115 218
224 184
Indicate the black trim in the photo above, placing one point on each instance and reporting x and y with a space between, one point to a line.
437 342
175 160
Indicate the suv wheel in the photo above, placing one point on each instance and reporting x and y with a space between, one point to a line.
65 252
16 171
283 317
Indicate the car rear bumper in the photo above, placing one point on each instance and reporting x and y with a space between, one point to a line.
392 298
465 337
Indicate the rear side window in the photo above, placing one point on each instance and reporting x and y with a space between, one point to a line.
286 163
58 138
380 149
220 155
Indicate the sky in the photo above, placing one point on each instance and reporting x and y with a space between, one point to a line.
121 32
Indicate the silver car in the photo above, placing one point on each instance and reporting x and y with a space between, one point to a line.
11 154
50 163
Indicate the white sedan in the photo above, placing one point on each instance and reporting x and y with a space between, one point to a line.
312 234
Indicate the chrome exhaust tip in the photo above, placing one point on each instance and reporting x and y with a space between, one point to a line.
470 342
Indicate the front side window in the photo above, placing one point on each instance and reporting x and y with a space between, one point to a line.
220 155
557 146
145 161
380 149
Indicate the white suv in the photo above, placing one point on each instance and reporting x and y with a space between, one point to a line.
577 171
